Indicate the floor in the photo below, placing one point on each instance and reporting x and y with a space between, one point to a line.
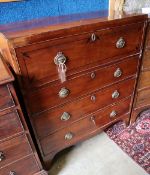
96 156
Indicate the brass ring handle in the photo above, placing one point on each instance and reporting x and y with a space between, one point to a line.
65 116
118 73
2 156
60 58
93 37
12 173
115 94
64 92
120 43
113 114
69 136
93 120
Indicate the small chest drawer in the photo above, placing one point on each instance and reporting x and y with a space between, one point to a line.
146 59
37 61
14 149
112 113
26 166
61 117
58 94
67 136
12 122
6 100
76 131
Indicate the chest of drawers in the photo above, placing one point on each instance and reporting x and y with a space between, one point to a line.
142 97
17 151
102 57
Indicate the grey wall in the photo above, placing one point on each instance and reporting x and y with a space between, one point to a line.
131 5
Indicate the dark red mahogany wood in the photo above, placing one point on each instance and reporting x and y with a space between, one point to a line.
17 151
103 58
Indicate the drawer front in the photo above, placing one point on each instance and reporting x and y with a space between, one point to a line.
144 81
82 128
14 149
9 125
49 97
26 166
6 100
143 98
67 136
61 117
37 61
146 60
112 113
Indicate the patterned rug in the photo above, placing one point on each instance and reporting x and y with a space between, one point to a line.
135 139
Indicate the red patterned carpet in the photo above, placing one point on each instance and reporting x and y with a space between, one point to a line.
135 139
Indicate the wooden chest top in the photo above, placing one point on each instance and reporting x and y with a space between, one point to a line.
29 32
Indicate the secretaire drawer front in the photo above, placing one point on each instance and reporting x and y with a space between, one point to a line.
14 149
12 122
26 166
57 94
67 136
61 117
6 100
112 113
37 61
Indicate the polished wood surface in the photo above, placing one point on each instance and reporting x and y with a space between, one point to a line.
47 97
17 151
14 149
103 117
77 49
25 166
146 60
6 98
89 124
142 96
10 125
102 74
28 32
50 121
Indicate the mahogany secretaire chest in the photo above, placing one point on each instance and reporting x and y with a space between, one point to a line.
77 74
